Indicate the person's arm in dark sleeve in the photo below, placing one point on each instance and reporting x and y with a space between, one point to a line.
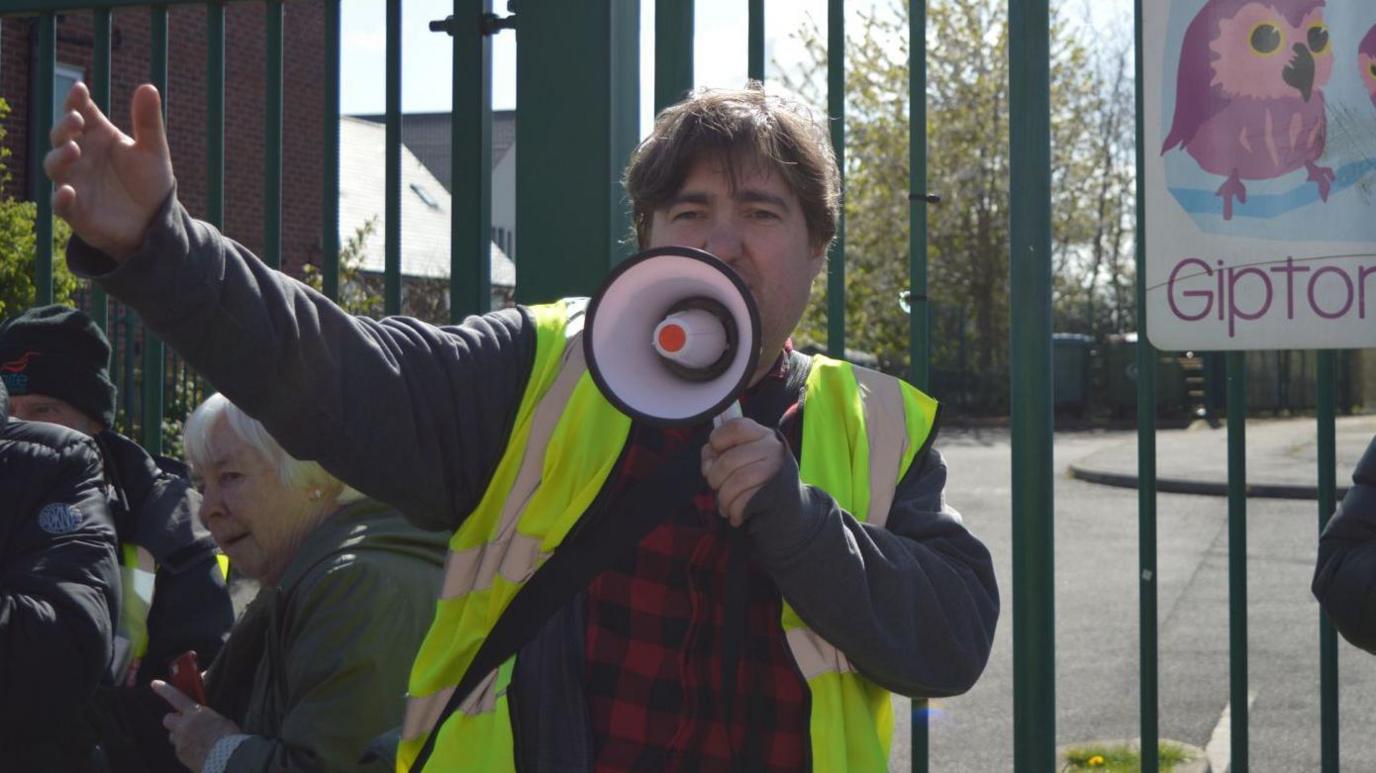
1345 575
406 412
191 607
59 593
912 604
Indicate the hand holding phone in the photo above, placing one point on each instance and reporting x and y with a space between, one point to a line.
183 674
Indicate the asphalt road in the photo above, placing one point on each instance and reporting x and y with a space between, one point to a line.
1097 651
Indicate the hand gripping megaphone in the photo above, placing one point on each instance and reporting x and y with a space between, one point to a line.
672 337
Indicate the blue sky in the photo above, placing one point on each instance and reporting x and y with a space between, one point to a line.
719 57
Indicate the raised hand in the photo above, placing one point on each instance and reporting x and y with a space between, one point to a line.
109 185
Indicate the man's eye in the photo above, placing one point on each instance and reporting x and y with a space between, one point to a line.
764 214
687 214
228 477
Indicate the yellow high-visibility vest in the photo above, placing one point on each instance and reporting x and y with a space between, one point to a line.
861 432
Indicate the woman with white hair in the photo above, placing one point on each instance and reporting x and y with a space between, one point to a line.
317 666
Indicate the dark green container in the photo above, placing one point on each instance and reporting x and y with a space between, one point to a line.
1070 359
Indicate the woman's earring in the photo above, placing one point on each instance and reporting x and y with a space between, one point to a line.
315 495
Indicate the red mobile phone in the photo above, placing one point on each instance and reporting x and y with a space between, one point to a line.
183 674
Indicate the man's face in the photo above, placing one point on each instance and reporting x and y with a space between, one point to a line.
759 230
53 411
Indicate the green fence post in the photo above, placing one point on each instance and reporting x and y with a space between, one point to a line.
153 355
836 113
1034 662
1237 555
755 42
100 93
673 51
1146 460
625 122
329 158
919 310
1328 639
42 187
215 113
564 66
272 139
391 280
470 227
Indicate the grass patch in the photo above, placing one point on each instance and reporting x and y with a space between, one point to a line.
1121 758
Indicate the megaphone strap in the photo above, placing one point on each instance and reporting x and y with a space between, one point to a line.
604 534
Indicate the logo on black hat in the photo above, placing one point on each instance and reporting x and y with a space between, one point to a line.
17 366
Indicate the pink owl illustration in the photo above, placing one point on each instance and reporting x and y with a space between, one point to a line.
1366 59
1249 93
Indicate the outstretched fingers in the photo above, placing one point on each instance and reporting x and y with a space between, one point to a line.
146 112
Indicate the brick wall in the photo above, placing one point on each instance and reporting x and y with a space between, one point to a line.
245 106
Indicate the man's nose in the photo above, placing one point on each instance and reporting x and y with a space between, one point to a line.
724 241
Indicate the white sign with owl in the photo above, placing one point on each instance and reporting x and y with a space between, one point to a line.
1260 132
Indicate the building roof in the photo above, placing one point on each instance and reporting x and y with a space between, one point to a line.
428 136
425 206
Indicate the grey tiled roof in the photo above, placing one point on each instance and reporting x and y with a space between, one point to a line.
425 232
428 136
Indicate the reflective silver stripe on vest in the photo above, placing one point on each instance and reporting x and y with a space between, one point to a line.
814 654
887 430
887 433
516 556
421 717
423 713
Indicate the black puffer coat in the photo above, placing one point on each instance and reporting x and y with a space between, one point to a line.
59 592
1345 578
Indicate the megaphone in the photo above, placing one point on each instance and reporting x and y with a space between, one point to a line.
672 337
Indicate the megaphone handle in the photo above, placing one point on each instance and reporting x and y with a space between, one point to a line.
733 411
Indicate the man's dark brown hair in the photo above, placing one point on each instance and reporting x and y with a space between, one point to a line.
747 130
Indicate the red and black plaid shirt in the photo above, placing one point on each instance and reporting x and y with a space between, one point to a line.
655 625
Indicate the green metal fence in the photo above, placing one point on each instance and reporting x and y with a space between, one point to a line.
582 59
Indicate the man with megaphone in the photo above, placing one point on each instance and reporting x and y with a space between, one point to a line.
636 580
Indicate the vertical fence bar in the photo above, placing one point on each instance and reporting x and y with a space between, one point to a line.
1146 457
329 158
1237 555
391 293
215 113
1034 662
100 93
42 188
272 139
471 138
127 390
754 68
919 314
624 93
1328 638
673 51
153 357
919 311
836 112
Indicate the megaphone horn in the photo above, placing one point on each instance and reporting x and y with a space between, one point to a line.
672 337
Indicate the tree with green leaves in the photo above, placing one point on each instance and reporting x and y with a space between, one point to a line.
968 165
19 246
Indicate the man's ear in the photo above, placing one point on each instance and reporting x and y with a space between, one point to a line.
818 258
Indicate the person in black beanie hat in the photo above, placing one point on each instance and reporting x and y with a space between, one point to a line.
54 361
53 355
